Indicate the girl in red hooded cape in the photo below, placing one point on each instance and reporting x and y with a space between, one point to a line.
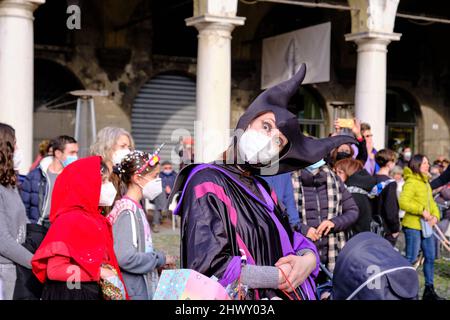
77 252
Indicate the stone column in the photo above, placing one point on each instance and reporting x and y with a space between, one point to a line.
214 20
16 71
372 26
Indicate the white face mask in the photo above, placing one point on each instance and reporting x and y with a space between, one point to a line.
407 155
119 155
256 147
152 189
17 158
107 195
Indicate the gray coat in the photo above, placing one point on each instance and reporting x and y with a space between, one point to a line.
13 221
138 267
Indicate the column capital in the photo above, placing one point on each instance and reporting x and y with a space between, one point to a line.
222 22
19 8
373 35
373 15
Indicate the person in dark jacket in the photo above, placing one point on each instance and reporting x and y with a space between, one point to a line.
168 176
386 201
356 151
370 165
443 179
36 190
443 201
405 157
359 183
327 210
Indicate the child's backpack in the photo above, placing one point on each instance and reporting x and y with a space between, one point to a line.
377 225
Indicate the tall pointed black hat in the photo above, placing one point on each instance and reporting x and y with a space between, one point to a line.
301 151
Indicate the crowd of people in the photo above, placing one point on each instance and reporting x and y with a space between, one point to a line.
78 228
397 193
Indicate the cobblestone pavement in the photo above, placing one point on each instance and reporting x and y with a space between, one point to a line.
167 240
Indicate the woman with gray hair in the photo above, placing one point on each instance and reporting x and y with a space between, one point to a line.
112 144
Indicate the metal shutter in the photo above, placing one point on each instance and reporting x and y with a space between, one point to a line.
164 104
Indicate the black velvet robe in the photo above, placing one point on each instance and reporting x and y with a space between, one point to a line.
208 237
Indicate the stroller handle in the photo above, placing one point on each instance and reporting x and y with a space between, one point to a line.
326 271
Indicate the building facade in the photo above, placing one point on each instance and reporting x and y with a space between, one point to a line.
143 53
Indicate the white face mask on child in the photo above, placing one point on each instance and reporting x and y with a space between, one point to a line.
152 188
107 195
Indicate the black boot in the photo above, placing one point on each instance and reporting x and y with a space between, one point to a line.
430 294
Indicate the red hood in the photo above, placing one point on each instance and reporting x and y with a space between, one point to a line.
77 187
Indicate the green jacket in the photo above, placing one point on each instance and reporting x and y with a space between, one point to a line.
416 197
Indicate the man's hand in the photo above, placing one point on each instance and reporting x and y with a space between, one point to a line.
426 215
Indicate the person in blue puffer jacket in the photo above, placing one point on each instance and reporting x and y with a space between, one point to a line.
36 189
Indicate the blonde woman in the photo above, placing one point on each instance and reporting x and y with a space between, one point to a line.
112 144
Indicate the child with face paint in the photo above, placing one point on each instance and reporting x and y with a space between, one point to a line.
138 260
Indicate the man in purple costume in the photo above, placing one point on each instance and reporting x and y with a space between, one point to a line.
228 212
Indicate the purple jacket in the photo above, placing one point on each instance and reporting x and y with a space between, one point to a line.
371 166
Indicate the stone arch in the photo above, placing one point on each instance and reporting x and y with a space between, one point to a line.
54 108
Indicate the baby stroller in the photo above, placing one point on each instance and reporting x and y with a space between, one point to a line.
368 268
